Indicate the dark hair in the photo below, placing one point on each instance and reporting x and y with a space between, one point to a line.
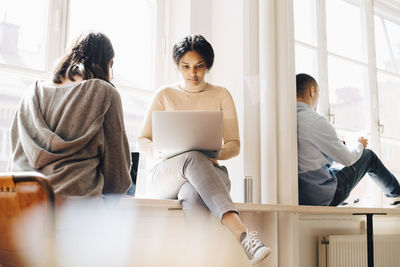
197 43
303 82
89 57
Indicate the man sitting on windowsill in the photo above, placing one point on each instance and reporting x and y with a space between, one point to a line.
319 146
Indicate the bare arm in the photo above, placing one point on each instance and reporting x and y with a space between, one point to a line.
231 146
145 140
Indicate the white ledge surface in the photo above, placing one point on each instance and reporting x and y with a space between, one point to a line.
248 207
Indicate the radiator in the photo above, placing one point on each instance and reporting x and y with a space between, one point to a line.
351 251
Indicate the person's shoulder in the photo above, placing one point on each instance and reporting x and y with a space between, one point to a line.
33 88
99 86
320 122
167 90
99 83
306 115
217 88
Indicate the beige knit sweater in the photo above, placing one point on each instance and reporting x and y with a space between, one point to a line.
203 97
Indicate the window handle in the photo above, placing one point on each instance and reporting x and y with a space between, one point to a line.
381 127
331 117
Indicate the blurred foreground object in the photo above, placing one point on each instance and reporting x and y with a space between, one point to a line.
21 194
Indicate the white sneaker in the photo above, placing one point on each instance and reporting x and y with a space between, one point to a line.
394 202
255 250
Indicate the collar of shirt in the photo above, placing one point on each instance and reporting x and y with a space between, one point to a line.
304 105
195 89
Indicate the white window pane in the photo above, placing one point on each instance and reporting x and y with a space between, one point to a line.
23 31
348 94
387 40
135 107
130 26
390 151
344 30
389 110
305 21
12 87
306 61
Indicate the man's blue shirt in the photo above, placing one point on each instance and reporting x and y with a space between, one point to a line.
318 146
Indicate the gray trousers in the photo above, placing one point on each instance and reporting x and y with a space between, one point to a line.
195 181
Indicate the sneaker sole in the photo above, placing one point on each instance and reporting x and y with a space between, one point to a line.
396 203
262 255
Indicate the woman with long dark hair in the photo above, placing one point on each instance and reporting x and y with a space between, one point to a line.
71 129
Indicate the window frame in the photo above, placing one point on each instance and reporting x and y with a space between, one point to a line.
56 45
368 8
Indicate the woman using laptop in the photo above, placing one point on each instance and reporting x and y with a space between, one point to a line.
192 177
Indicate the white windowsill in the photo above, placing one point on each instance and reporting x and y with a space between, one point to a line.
248 207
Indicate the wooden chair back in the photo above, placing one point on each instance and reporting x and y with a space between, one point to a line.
27 207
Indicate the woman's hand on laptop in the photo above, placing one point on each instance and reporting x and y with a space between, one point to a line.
213 160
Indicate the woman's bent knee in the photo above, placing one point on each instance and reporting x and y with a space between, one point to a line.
195 158
189 197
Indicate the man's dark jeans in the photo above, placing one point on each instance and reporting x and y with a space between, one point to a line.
348 177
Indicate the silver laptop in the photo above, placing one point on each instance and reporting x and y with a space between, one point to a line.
176 132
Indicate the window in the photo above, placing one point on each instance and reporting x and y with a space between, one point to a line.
387 40
33 37
305 22
342 61
344 26
23 33
130 26
307 61
347 71
306 37
348 95
12 87
23 46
